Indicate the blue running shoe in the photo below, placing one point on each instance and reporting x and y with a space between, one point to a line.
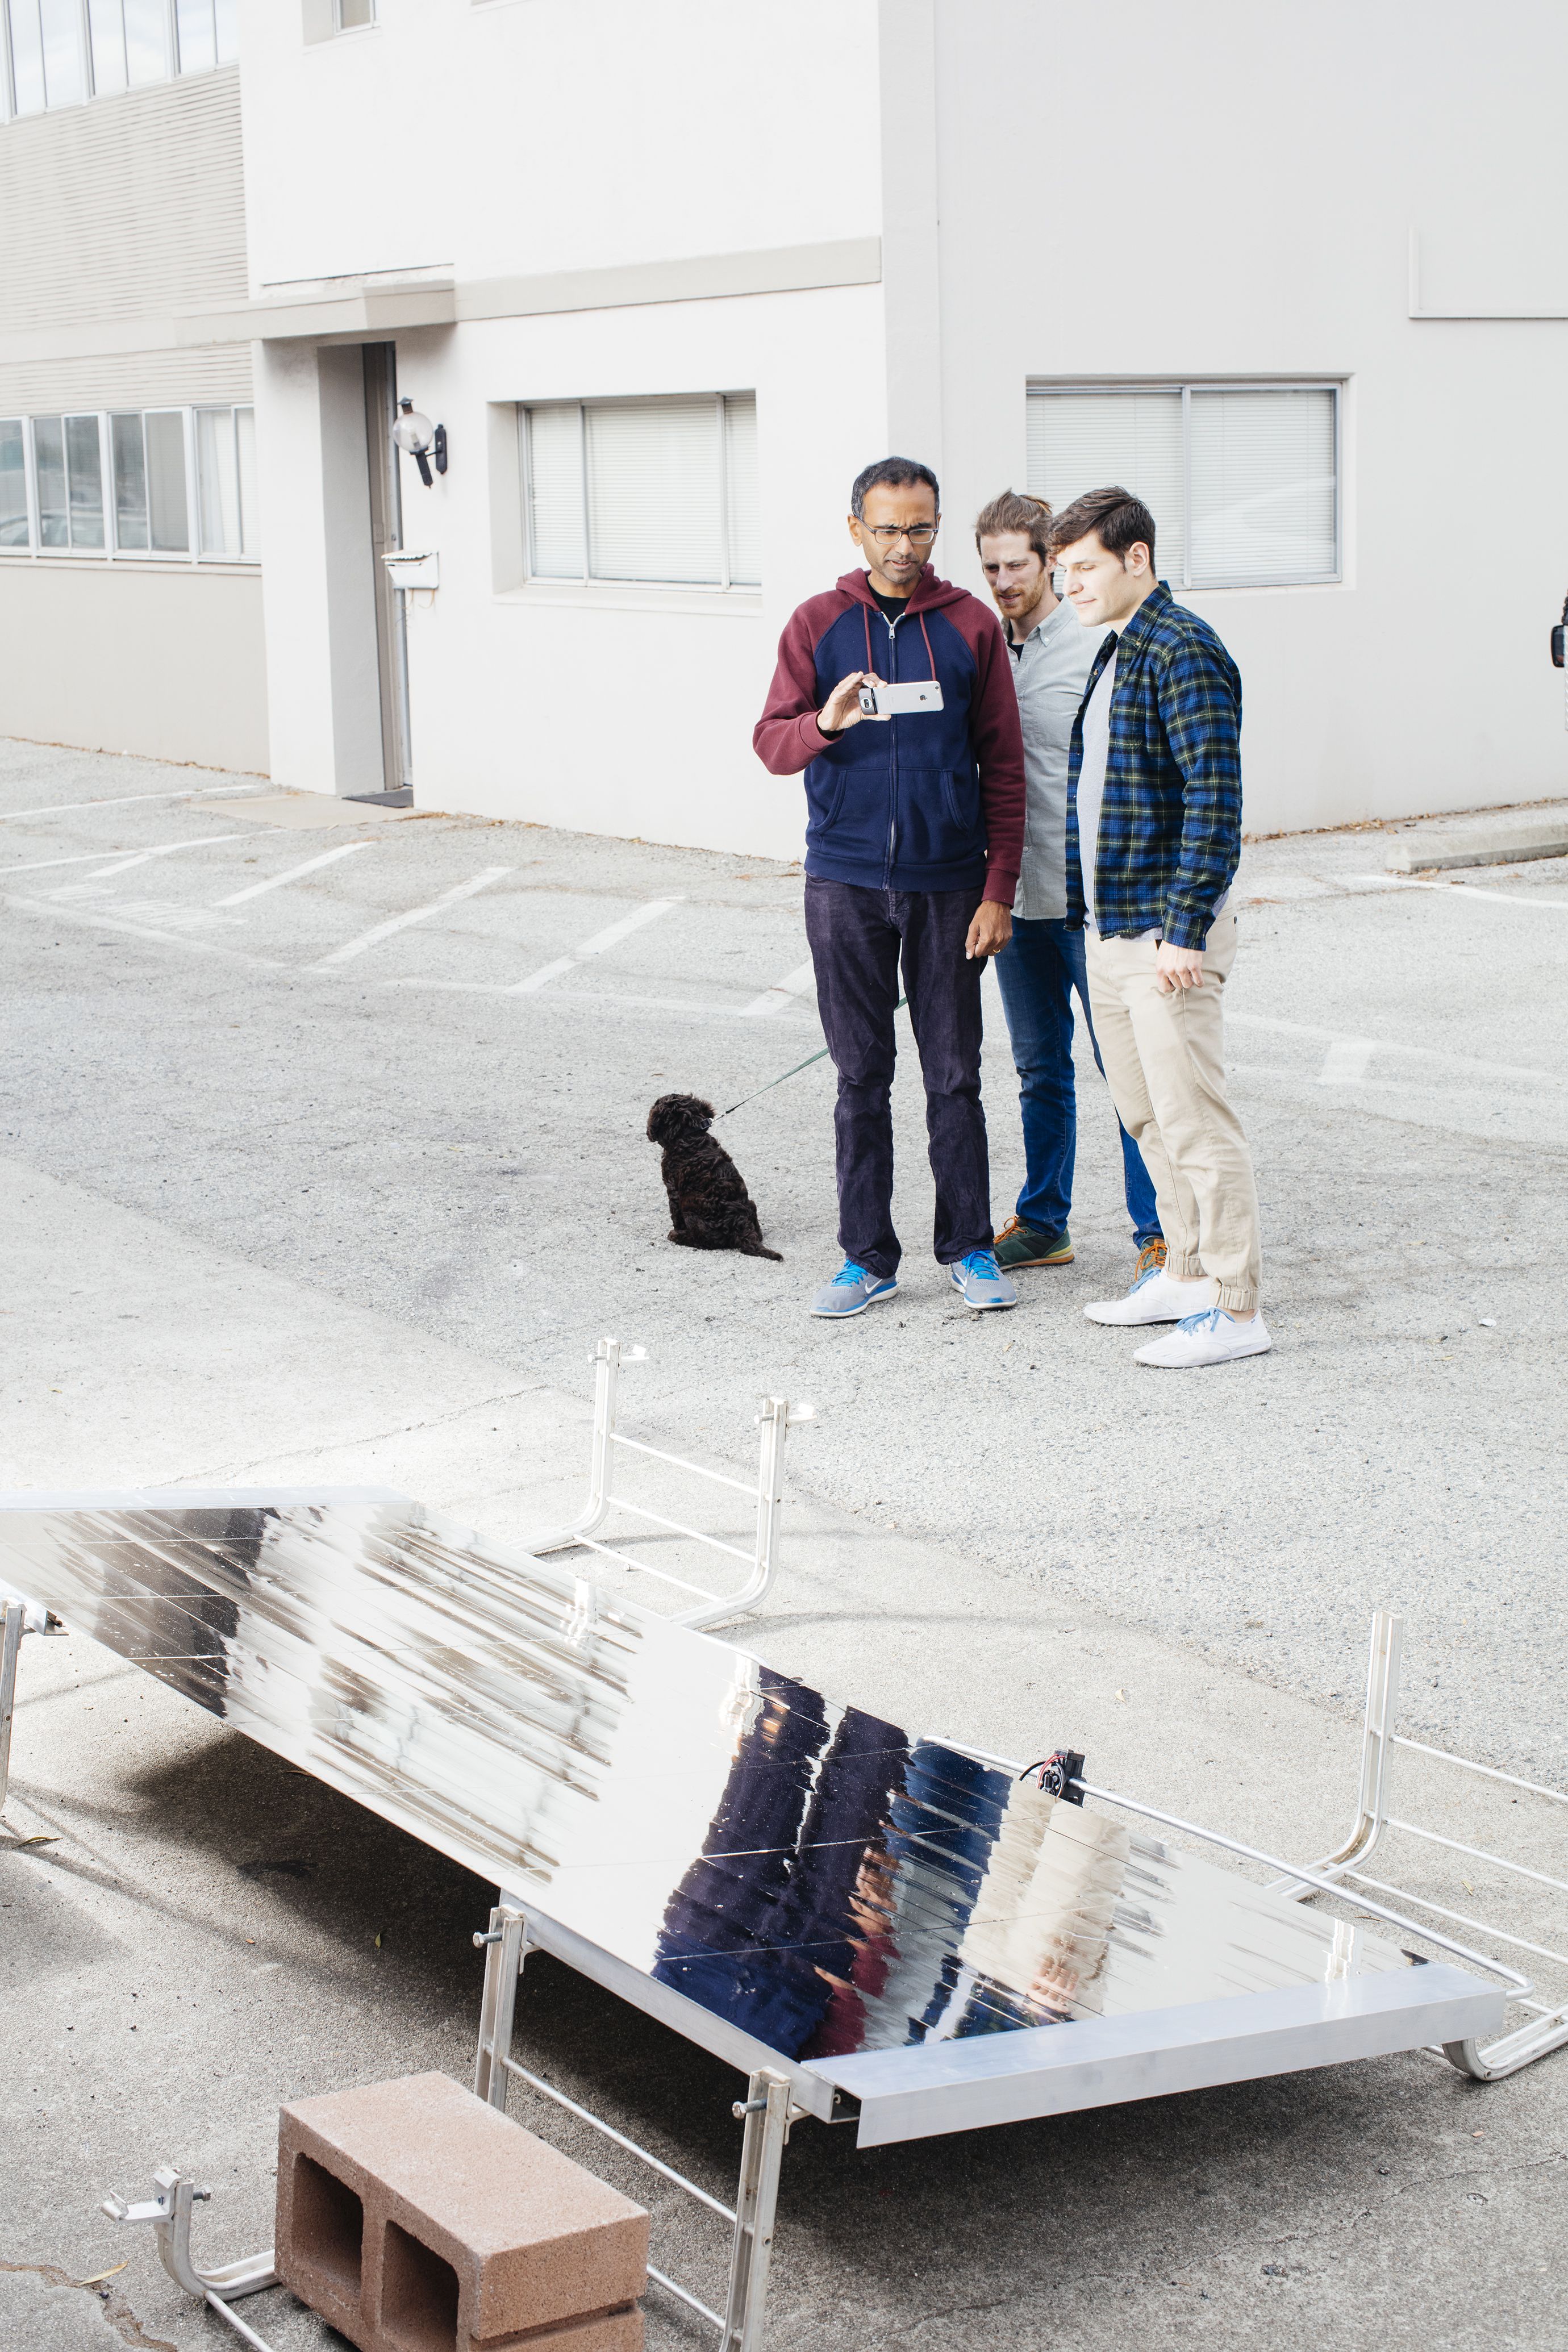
852 1290
983 1282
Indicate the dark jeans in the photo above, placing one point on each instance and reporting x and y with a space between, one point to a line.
858 936
1037 972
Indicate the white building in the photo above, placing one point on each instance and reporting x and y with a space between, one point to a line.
669 275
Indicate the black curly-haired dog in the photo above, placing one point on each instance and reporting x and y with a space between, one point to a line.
708 1203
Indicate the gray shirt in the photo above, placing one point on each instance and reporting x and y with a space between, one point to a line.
1049 670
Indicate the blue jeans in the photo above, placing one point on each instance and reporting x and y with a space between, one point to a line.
1037 972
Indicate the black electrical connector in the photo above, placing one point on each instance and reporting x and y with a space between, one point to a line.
1059 1774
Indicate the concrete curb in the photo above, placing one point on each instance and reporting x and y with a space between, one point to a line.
1498 841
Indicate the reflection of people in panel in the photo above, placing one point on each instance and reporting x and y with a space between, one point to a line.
1047 1929
944 1826
765 1926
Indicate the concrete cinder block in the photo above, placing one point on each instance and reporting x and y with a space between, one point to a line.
416 2218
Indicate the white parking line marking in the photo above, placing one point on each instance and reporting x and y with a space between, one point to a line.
416 915
59 914
128 800
123 864
1347 1061
595 946
255 890
1468 890
775 999
1333 1038
92 857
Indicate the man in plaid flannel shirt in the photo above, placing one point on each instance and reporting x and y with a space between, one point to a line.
1153 841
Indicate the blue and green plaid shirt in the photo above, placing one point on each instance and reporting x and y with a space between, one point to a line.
1170 822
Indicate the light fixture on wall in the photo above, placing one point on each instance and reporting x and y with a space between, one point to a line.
421 439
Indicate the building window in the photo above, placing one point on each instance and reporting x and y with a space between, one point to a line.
61 52
15 529
152 508
225 479
151 462
1242 479
352 15
654 492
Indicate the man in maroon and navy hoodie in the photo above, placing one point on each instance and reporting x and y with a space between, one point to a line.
913 841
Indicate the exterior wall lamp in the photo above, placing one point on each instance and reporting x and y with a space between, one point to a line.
421 439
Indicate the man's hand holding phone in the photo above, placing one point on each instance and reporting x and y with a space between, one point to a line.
842 708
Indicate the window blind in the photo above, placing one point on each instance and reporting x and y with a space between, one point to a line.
1241 479
654 507
1081 441
645 490
1262 486
555 493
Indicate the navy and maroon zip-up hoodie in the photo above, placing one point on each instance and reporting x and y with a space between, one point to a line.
933 801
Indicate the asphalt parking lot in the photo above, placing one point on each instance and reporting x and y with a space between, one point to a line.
325 1146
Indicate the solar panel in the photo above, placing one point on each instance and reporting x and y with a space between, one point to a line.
787 1879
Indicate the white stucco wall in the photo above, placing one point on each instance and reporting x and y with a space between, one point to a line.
628 711
164 660
1226 191
1201 193
521 136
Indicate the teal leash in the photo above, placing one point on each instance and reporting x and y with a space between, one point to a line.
819 1056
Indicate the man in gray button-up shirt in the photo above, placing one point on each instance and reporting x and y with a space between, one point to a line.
1043 964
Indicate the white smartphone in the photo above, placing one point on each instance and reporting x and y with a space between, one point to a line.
901 701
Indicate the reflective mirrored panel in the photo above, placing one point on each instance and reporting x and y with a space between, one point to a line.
823 1880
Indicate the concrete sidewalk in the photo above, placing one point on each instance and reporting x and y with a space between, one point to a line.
210 1933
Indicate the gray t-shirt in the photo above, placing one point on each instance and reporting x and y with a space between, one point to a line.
1049 670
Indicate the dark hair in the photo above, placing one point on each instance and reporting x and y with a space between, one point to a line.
1017 511
1119 519
895 472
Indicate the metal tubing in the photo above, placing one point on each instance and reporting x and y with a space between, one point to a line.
505 1945
1377 1738
15 1623
774 1423
584 2114
767 2113
1461 1918
1477 1854
670 2288
1507 2055
257 2343
1490 1770
678 1527
1322 1885
697 1469
608 1358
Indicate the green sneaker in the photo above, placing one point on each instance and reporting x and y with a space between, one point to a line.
1020 1245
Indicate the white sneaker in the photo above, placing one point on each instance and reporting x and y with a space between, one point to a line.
1155 1298
1214 1337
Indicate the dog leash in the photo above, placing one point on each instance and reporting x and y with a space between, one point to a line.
772 1083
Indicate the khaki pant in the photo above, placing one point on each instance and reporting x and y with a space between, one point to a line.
1164 1060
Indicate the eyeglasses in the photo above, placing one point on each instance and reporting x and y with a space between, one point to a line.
886 534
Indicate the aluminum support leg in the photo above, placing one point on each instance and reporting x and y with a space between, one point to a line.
767 2116
504 1948
11 1630
1376 1752
774 1421
608 1358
